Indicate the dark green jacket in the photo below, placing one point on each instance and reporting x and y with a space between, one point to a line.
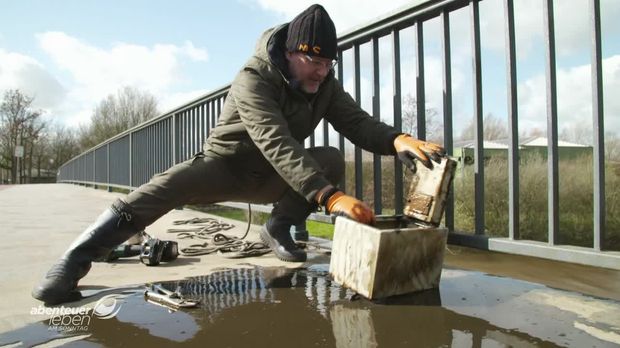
264 114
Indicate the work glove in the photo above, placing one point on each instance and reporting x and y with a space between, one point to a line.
409 148
337 203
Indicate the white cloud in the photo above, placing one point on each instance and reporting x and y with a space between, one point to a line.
346 14
22 72
532 104
99 72
94 72
528 25
572 24
90 73
574 98
197 54
173 100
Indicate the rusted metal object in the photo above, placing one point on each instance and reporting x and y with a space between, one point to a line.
399 254
172 300
428 192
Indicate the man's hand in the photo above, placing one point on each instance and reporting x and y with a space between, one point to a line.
337 203
409 148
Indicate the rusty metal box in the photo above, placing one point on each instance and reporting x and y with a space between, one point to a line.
398 254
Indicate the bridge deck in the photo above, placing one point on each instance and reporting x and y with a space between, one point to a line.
39 221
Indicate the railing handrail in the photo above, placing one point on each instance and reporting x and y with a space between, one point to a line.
398 19
215 93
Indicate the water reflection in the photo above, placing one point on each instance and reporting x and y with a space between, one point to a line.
237 287
400 326
279 307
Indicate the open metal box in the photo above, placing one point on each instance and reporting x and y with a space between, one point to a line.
398 254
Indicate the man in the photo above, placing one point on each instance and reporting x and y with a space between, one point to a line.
256 153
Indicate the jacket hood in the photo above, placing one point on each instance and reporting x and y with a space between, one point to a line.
269 60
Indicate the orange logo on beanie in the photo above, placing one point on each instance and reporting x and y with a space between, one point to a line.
304 48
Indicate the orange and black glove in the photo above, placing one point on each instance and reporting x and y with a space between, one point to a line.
337 203
409 148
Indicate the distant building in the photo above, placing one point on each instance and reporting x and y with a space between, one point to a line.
464 150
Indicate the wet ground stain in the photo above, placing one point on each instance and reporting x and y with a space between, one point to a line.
280 307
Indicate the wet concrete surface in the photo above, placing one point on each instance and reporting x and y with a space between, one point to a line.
595 281
280 307
485 299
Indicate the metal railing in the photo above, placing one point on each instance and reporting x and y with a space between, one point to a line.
131 158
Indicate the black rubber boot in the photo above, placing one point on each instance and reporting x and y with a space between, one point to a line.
276 233
112 227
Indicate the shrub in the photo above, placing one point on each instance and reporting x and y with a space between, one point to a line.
575 198
575 201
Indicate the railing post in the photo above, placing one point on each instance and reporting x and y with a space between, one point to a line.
376 114
447 107
598 127
478 119
130 159
398 123
419 82
359 165
513 125
173 130
94 177
108 167
341 144
552 127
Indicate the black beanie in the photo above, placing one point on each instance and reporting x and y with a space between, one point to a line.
313 33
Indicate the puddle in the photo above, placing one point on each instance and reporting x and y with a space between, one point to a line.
279 307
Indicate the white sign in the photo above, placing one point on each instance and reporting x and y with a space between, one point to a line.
19 151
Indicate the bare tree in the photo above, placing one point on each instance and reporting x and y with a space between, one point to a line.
57 145
581 134
612 147
64 144
493 129
534 132
40 154
434 126
117 113
31 143
19 126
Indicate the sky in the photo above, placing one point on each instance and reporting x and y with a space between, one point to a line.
70 54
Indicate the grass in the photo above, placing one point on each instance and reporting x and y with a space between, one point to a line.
315 228
575 208
320 229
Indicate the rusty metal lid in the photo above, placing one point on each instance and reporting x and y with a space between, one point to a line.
428 191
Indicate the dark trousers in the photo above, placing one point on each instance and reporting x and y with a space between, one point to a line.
209 178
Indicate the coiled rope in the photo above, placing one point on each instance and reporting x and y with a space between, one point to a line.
210 230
